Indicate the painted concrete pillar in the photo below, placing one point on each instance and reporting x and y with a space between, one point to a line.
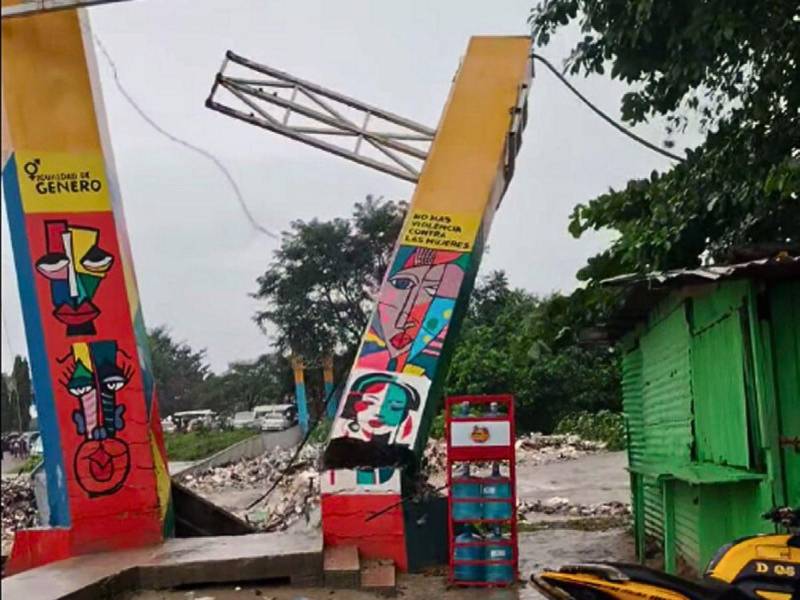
104 456
298 368
395 385
327 378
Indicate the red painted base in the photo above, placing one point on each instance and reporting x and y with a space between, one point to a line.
344 523
37 547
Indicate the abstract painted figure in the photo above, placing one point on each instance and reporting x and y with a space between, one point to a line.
94 377
414 310
380 408
75 266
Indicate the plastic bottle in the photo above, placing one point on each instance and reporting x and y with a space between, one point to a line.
468 572
465 511
496 487
498 549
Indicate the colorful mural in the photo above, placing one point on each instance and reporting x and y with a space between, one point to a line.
381 408
75 266
104 456
414 309
93 377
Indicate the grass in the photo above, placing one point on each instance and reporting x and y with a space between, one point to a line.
29 465
201 444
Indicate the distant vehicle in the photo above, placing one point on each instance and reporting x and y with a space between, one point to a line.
37 449
168 425
245 419
191 420
275 417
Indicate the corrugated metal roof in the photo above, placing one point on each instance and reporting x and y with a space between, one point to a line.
642 292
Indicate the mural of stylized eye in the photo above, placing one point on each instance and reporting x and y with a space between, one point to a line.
79 390
402 283
114 383
52 263
97 260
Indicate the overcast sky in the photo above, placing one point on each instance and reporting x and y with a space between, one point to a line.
195 254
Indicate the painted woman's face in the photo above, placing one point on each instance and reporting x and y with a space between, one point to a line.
380 409
405 300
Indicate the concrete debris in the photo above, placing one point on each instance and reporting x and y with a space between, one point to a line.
563 507
532 449
19 509
293 499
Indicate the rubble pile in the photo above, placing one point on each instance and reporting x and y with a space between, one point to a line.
563 507
19 509
294 498
533 449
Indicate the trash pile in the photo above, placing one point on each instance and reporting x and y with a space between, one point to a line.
533 449
19 509
563 507
294 498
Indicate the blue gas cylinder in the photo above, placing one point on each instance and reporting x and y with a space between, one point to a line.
465 511
497 573
468 572
496 488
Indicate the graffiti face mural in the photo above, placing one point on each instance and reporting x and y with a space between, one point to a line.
75 266
94 377
381 408
414 310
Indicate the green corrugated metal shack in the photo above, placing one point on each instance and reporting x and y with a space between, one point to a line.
711 392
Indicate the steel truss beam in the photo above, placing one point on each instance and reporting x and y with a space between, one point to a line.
27 8
327 119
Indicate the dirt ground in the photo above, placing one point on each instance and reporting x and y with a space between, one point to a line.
589 479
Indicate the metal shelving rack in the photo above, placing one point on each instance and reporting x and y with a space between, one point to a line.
463 450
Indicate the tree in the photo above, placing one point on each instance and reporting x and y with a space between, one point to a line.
17 397
513 342
245 384
179 371
730 64
318 289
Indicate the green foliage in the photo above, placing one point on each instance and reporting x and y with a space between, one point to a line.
513 342
16 397
319 286
179 371
29 465
201 444
732 66
602 426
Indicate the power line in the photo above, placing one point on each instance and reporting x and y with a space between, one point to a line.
604 116
205 153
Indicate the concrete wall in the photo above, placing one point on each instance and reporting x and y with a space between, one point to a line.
249 448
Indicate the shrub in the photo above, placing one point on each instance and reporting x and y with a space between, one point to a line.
602 426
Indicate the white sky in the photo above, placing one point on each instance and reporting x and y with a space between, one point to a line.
197 257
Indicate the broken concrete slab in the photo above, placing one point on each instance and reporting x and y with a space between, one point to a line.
188 561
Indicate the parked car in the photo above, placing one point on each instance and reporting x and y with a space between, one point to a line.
192 420
275 417
245 419
167 425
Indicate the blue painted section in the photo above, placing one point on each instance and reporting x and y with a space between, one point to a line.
34 334
332 399
302 406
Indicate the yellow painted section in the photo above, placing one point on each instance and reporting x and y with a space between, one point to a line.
47 93
5 132
774 595
441 231
163 485
59 182
81 353
765 547
297 368
461 171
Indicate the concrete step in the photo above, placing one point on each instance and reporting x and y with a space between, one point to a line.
379 576
342 567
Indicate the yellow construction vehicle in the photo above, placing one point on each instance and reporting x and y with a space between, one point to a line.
761 567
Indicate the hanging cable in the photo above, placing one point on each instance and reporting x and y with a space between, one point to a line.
604 116
205 153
